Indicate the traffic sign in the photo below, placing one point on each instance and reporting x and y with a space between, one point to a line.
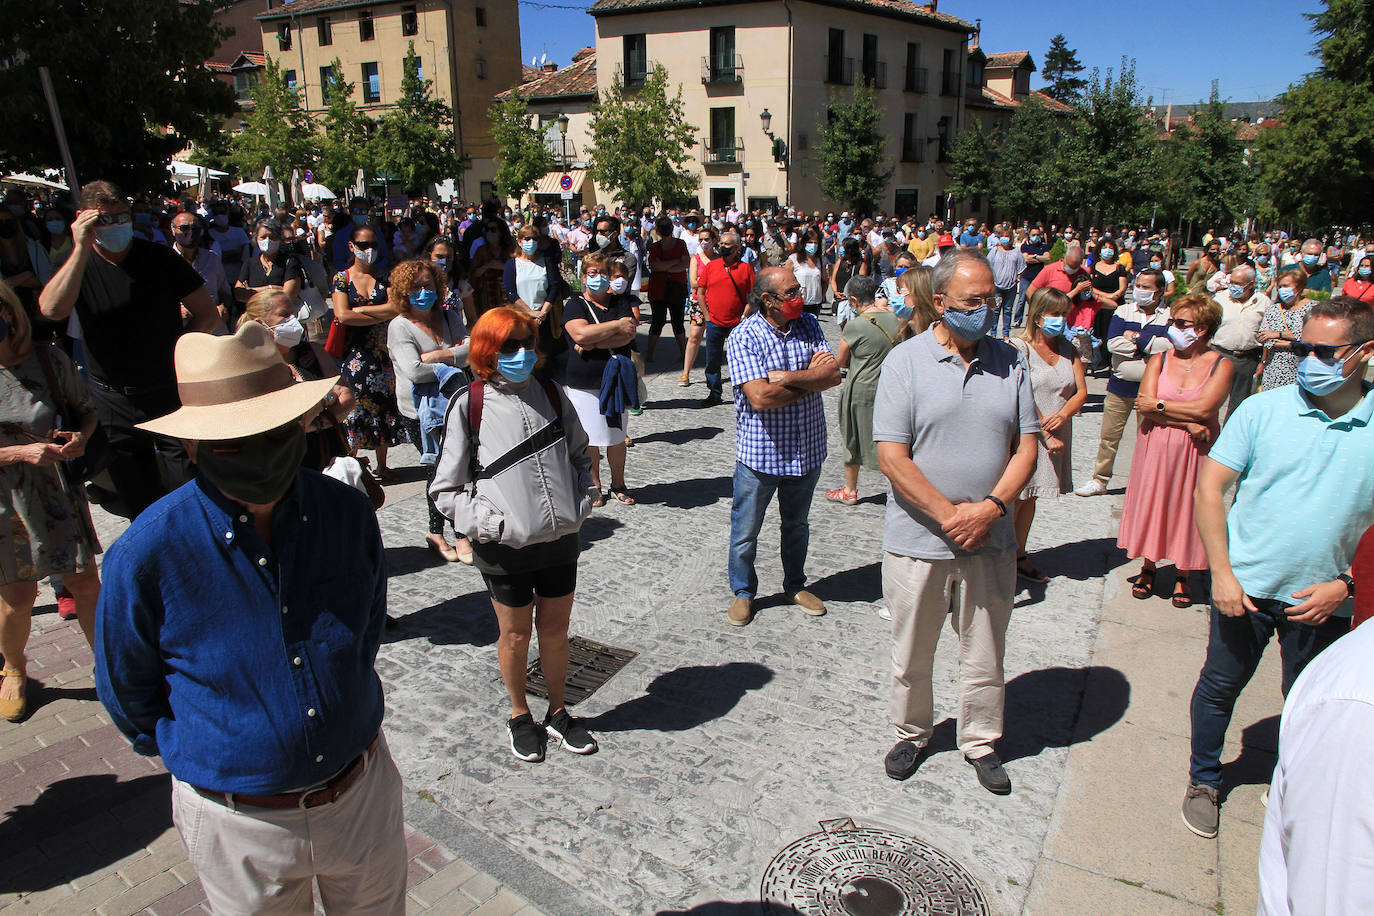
308 177
566 184
567 195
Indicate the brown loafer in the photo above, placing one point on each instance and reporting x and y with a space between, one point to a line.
15 710
741 612
807 602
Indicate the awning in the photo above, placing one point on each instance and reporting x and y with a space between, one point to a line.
551 182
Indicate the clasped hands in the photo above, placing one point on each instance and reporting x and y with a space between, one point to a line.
969 525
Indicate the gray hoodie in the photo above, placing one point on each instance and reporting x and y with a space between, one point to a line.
540 499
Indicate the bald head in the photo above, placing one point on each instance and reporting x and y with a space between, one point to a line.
1243 275
777 281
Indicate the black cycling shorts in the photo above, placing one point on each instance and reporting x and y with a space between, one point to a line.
519 589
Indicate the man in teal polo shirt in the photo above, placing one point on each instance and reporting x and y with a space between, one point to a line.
1302 457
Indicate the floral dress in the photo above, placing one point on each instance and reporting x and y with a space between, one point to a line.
1281 366
45 527
366 370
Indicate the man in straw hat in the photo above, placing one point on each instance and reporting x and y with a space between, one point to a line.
236 636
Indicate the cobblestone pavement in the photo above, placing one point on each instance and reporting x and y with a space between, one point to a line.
719 746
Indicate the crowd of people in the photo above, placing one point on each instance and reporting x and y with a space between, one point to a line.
192 365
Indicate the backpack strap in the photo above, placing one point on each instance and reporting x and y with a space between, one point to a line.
552 392
541 440
476 390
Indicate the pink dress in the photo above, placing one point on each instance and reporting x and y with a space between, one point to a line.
1157 519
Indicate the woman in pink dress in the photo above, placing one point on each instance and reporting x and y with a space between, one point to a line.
1180 398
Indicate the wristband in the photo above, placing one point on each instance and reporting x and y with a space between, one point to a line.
1001 506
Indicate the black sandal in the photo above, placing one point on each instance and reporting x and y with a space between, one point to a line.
1144 584
1027 571
1182 596
621 495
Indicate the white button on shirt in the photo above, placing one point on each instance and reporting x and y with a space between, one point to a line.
1240 322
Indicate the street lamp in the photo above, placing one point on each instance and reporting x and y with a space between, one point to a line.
563 120
766 118
779 146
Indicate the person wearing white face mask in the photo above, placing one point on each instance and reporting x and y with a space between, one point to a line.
270 267
1138 330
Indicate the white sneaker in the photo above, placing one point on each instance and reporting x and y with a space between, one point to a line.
1264 797
883 612
1093 487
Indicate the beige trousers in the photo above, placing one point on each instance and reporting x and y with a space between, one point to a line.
975 593
1115 411
260 860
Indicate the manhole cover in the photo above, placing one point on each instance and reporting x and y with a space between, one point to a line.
866 872
590 664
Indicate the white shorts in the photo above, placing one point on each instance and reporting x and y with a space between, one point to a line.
588 406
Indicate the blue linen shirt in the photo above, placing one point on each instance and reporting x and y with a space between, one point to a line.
250 670
1305 494
785 441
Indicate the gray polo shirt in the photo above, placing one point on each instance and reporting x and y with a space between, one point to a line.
962 425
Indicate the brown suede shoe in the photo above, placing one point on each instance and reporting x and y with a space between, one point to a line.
741 612
15 710
807 602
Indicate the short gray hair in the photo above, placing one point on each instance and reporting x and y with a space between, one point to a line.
1244 269
949 265
861 289
766 282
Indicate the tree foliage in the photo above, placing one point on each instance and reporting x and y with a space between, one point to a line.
1024 170
1203 174
525 157
129 78
279 133
1107 163
970 166
641 141
1061 68
346 134
854 167
1347 43
414 141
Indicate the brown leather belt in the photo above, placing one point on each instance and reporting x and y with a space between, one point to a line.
326 794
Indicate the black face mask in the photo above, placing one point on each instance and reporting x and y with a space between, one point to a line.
256 469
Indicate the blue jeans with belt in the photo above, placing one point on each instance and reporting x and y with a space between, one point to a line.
1006 303
715 355
1233 653
753 492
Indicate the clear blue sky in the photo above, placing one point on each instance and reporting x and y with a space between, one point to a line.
1254 48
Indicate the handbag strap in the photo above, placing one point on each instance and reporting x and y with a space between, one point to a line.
726 267
881 328
41 354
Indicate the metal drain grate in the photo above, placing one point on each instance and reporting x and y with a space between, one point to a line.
858 871
590 664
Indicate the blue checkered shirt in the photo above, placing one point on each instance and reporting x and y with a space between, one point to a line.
785 441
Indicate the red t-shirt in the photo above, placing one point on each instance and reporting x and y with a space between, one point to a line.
1360 289
1363 566
726 289
1055 276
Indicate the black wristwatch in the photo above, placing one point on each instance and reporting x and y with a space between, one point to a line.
1349 583
1002 508
1159 408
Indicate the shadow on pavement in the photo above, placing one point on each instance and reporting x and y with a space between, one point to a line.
677 403
687 494
682 436
1052 707
1090 559
1094 403
143 807
1259 752
684 698
41 695
599 527
742 908
863 583
467 620
402 561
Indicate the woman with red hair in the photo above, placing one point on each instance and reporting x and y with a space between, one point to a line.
514 477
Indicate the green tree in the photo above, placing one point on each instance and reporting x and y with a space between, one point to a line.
854 166
345 134
414 141
129 77
279 132
640 142
970 163
1023 173
1317 164
525 156
1203 173
1107 163
1061 69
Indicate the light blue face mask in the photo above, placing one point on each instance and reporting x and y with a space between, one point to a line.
1053 325
1363 273
1320 378
1235 291
424 299
517 366
1287 294
599 283
529 246
900 308
844 312
1311 260
115 238
971 325
811 248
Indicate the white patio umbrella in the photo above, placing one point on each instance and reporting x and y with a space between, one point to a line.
360 185
296 185
191 172
256 188
33 181
317 192
273 190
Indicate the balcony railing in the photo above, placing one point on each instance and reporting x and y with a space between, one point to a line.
874 72
949 82
914 150
722 70
563 151
839 70
721 150
916 79
633 79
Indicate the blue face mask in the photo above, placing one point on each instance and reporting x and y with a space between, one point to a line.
1108 254
115 238
1235 291
899 271
599 283
56 226
517 366
900 308
1363 272
424 299
1287 294
1053 325
1311 260
811 247
359 219
1319 377
529 246
441 263
971 326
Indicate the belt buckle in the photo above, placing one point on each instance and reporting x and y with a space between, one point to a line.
301 803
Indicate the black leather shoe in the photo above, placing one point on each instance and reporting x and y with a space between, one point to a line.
711 400
991 774
903 759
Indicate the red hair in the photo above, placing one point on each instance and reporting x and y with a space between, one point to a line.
490 334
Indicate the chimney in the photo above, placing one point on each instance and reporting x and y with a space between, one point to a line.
933 6
977 32
550 67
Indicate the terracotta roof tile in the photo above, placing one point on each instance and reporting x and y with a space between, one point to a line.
577 79
299 7
1050 103
1009 59
901 9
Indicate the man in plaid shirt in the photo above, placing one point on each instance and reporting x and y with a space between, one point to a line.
779 365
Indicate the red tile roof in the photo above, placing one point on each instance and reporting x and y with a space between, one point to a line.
575 80
299 7
1010 59
991 98
898 9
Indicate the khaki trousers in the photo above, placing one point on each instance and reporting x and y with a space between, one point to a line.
975 593
1115 411
260 860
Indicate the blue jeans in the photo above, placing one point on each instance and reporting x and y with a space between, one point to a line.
1022 297
715 355
1233 654
1006 302
753 492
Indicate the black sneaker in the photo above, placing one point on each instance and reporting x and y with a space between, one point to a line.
712 400
571 732
991 774
903 759
527 738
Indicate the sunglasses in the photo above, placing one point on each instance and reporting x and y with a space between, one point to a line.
1321 351
514 346
1182 324
113 219
364 246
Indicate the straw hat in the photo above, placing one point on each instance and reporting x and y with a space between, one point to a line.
231 387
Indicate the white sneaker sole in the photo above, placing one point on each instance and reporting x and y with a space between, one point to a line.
535 758
1202 833
558 736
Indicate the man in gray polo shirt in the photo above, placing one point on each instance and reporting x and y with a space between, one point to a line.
956 429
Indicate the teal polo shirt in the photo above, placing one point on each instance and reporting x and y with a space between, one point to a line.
1305 493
